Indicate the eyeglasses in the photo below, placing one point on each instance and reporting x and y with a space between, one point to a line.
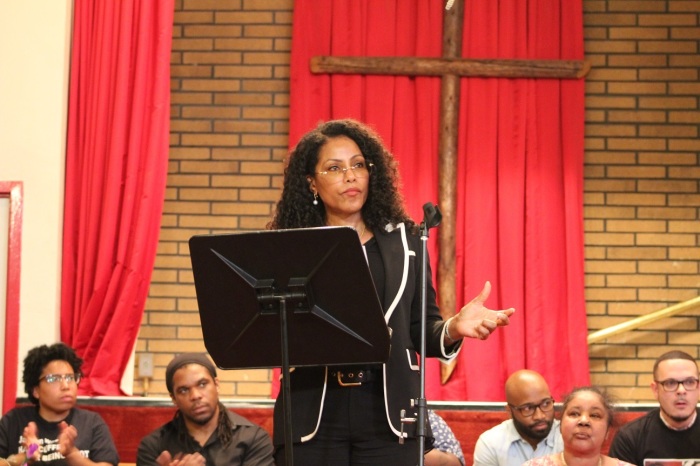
529 409
359 169
671 385
55 378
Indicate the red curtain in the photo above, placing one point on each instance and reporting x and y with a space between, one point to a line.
520 171
12 190
116 167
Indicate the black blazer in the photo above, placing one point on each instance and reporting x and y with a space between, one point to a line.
400 253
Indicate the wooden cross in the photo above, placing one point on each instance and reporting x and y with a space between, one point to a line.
451 68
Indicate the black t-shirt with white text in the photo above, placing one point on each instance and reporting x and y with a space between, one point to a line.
94 439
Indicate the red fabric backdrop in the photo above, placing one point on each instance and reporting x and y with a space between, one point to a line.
129 424
520 164
118 130
12 190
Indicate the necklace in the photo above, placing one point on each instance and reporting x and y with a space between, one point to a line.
362 233
563 460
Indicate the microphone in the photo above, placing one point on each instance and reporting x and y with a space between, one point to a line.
431 215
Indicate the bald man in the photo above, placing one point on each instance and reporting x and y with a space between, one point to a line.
530 432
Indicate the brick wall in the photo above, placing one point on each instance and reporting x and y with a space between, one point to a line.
230 92
642 182
229 135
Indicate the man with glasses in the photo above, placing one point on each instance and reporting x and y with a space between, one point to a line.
530 432
62 433
671 430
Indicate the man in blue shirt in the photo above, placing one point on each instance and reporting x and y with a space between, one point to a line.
530 432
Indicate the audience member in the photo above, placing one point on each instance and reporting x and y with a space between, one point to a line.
531 430
671 430
446 448
65 435
585 422
202 431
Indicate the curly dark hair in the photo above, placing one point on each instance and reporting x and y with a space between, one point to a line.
384 203
39 357
605 398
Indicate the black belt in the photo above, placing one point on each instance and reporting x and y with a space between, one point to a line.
353 377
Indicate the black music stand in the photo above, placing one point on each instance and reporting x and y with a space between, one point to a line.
310 288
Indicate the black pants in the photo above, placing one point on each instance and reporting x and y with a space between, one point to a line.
354 431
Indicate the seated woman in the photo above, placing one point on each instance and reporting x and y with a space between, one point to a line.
586 419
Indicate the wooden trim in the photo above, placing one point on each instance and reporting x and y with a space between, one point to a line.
13 190
637 322
417 66
453 23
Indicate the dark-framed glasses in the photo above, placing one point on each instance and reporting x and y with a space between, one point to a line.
57 378
528 409
359 169
671 385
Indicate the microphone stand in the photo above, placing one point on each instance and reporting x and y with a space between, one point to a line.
431 218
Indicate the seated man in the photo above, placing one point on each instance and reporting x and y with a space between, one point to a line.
670 431
60 433
203 430
530 432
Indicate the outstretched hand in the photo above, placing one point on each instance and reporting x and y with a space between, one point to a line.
477 321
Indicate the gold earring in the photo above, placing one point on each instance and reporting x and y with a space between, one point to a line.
315 199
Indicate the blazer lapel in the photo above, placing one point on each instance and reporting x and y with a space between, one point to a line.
393 250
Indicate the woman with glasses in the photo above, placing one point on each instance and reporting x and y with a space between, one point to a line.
340 174
53 431
587 416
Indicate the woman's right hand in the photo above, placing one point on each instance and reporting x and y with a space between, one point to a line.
476 320
31 443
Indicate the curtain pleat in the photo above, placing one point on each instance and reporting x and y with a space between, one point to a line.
116 168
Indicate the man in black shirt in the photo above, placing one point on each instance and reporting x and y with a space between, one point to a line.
672 430
203 430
